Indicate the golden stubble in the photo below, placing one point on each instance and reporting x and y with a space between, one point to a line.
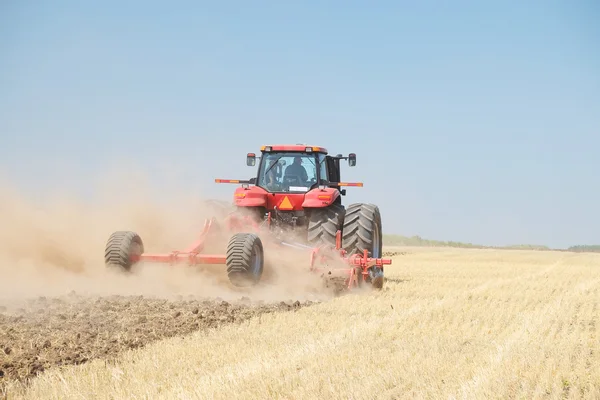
449 324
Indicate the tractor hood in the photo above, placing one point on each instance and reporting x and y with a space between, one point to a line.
255 196
252 196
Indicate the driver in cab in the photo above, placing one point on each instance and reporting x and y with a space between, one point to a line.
297 170
272 182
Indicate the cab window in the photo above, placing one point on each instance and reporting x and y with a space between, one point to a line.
323 167
287 172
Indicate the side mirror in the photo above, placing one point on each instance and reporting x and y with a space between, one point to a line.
251 159
352 159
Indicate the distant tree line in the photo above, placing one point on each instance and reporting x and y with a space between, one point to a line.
418 241
585 248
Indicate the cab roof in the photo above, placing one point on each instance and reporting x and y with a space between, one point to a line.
292 148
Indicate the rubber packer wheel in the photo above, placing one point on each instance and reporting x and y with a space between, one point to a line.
362 231
121 245
244 259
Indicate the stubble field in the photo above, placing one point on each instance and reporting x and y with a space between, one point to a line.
450 323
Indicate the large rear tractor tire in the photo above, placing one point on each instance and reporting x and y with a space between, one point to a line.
324 223
362 231
245 259
121 247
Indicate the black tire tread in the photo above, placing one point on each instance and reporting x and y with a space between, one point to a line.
324 223
118 247
359 222
239 258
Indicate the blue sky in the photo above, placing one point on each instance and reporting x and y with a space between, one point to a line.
472 121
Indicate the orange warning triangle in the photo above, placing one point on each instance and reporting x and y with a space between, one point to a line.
286 204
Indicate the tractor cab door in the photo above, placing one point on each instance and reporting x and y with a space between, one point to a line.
333 169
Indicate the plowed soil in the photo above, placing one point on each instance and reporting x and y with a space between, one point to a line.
53 244
38 334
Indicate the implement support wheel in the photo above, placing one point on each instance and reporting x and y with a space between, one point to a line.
245 259
121 247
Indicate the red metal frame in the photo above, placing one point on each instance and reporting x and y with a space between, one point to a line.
358 263
191 254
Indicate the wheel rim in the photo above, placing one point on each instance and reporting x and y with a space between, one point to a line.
135 249
256 260
375 253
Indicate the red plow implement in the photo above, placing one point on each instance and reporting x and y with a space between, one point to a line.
244 255
362 268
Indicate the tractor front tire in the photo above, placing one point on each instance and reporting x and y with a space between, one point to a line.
362 231
245 259
324 223
120 248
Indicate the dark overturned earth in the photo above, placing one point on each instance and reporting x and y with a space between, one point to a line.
43 333
48 332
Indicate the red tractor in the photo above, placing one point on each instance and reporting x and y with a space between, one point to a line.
297 190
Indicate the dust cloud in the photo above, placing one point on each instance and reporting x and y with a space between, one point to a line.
55 246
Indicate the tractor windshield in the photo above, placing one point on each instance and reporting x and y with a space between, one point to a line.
288 171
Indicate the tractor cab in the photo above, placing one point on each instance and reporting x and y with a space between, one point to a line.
292 183
295 169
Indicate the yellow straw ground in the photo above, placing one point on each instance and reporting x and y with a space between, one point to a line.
450 323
